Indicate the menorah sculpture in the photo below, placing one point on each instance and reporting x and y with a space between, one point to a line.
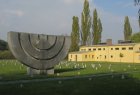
37 51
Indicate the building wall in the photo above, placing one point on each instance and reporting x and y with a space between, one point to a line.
75 57
137 53
89 56
114 53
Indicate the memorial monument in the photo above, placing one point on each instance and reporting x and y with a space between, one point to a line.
38 51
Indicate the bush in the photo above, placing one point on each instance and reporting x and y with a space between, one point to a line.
6 55
3 45
136 37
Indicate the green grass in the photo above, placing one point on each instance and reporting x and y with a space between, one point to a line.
122 84
94 86
14 70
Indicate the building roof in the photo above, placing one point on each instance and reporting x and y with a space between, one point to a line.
127 44
80 52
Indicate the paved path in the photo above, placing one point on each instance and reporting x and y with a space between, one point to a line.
65 78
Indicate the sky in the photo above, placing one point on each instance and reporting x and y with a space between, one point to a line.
54 17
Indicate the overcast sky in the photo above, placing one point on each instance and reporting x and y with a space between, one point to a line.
55 16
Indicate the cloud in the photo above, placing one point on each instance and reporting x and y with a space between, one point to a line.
18 13
72 1
55 17
126 4
75 1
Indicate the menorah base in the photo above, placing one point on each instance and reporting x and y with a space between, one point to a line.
31 71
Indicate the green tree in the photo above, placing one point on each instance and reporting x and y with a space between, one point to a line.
137 3
96 28
89 39
85 22
3 45
75 34
136 37
100 29
127 29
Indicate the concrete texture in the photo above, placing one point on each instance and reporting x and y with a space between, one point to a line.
40 52
31 71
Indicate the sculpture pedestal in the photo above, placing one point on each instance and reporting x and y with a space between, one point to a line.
31 71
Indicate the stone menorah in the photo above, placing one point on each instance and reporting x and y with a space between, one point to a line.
38 51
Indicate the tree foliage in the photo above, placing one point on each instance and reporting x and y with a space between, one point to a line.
137 3
75 34
85 22
136 37
3 45
100 29
97 28
127 29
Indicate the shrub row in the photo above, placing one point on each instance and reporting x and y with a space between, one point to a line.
6 55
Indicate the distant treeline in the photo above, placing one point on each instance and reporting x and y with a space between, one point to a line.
4 51
3 45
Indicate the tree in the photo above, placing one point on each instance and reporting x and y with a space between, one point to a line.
136 37
3 45
137 3
100 29
127 29
89 39
85 22
75 34
96 28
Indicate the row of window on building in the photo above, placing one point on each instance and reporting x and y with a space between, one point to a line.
94 49
111 56
92 56
100 56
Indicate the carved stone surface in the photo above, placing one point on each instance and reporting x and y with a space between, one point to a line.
38 51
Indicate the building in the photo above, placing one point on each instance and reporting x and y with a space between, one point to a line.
124 51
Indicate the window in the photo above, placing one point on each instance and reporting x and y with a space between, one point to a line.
71 55
92 56
99 48
105 56
103 48
83 49
116 48
111 56
139 48
75 57
85 56
89 56
123 48
94 49
97 57
130 48
89 49
111 48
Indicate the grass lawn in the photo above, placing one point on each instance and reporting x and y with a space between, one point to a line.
14 70
106 85
122 84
